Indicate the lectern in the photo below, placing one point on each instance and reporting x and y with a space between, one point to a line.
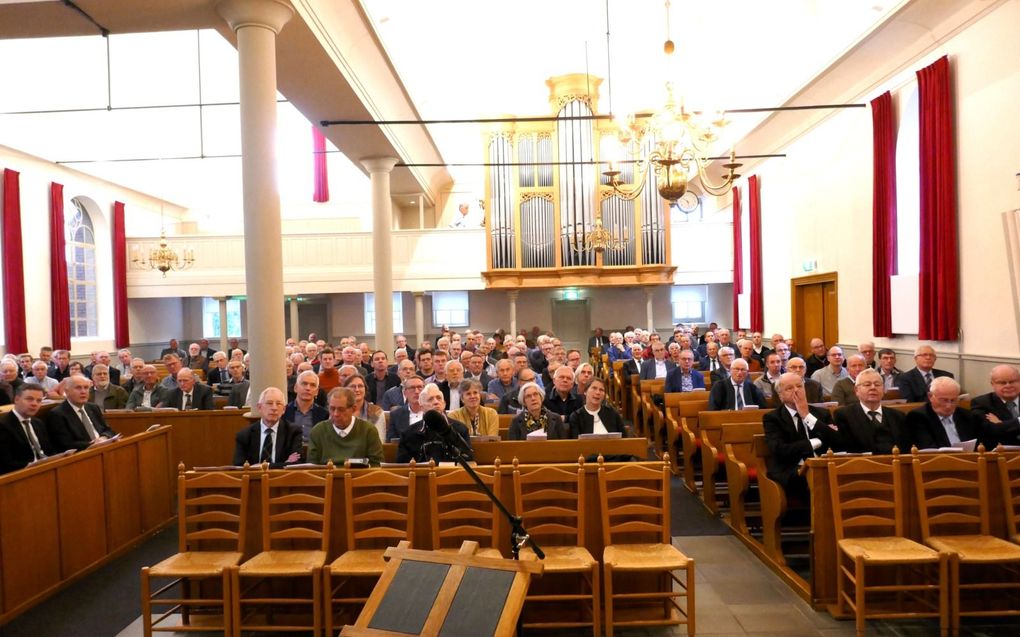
445 595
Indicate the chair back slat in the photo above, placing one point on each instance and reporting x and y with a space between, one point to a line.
455 497
550 501
952 494
212 510
646 520
1009 475
867 497
295 510
379 508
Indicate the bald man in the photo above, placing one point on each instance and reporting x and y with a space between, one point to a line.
1000 408
914 383
736 391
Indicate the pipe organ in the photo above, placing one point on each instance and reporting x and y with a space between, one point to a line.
546 200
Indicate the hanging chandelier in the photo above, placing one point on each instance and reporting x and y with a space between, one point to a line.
164 258
598 239
674 143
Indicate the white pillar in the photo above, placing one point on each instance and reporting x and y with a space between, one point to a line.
512 297
650 308
256 23
223 325
419 317
295 332
382 231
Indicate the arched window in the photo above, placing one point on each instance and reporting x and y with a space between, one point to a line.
81 272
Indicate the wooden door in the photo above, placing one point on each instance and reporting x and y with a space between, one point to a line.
815 310
570 321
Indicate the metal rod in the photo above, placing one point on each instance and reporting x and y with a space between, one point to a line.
98 109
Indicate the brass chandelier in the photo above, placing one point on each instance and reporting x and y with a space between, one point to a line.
677 143
598 239
164 258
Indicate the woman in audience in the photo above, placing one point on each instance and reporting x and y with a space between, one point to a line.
582 378
596 416
535 416
479 420
364 409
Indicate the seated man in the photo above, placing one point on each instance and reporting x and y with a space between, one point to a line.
794 432
657 366
684 377
304 412
420 444
812 388
710 362
914 383
843 392
941 422
173 365
868 427
887 367
381 379
504 381
344 435
736 391
104 393
832 372
134 377
40 376
149 392
1000 409
722 372
76 423
768 381
818 358
219 374
329 376
188 394
271 439
746 350
195 358
23 437
403 418
563 399
238 385
394 396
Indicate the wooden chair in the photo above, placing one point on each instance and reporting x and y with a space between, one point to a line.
1009 474
550 501
295 512
952 496
378 513
690 441
653 417
635 530
742 473
714 490
875 559
211 512
460 511
634 403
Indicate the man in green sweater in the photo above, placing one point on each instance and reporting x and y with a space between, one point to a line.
344 436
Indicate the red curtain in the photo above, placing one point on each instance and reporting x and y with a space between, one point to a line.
13 266
120 298
939 301
319 159
883 211
738 259
757 284
60 317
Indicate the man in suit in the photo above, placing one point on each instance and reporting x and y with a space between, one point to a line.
941 422
394 396
76 423
149 392
868 427
1000 409
684 377
812 388
758 349
58 368
103 358
736 391
188 394
23 438
710 362
722 372
476 369
914 383
205 350
598 340
173 348
411 413
239 392
844 392
630 365
818 359
867 352
887 368
271 439
218 373
104 393
795 432
657 366
381 379
401 342
770 379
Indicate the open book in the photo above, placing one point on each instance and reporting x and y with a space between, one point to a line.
965 446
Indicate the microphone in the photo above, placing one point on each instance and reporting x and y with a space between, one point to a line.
436 422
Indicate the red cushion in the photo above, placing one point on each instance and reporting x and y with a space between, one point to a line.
752 474
697 443
720 457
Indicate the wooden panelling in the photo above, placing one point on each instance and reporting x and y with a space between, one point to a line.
81 502
29 537
158 472
123 522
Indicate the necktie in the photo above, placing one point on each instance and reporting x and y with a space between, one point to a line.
713 365
187 401
874 418
267 447
89 428
740 397
36 451
1013 408
927 378
800 426
950 427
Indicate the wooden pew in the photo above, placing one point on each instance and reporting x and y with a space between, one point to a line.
634 403
198 438
653 418
672 401
70 516
545 451
690 439
617 386
712 458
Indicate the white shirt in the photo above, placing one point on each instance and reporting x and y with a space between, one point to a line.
26 425
346 430
186 398
660 369
268 430
415 417
809 426
597 426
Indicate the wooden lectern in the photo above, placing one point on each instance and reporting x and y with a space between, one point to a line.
445 595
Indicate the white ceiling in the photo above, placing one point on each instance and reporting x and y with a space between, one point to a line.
470 58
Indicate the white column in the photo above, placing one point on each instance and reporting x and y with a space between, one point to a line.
382 232
649 308
295 333
223 325
256 23
419 317
512 297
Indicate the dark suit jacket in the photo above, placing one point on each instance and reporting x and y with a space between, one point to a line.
247 447
180 353
15 450
787 446
673 380
392 380
201 398
813 390
1008 432
598 341
858 434
238 393
719 375
648 368
630 367
65 428
217 375
928 433
394 397
400 421
912 386
722 396
705 363
581 423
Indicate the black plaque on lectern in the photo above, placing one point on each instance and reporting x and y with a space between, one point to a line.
478 603
410 597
